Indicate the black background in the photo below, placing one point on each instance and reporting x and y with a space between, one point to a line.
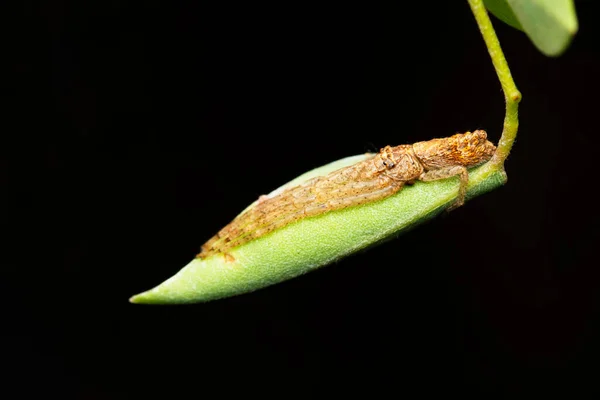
135 130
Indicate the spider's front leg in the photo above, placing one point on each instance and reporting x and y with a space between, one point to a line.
449 172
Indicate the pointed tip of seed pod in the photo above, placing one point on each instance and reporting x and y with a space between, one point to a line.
199 281
142 298
135 299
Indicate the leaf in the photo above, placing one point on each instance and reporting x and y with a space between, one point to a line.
503 12
314 242
549 24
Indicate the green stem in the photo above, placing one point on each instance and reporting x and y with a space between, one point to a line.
512 96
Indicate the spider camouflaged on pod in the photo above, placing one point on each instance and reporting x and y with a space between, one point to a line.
375 178
354 203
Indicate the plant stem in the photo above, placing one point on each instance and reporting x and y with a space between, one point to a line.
512 96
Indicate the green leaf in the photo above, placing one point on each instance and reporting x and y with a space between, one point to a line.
503 12
550 24
314 242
